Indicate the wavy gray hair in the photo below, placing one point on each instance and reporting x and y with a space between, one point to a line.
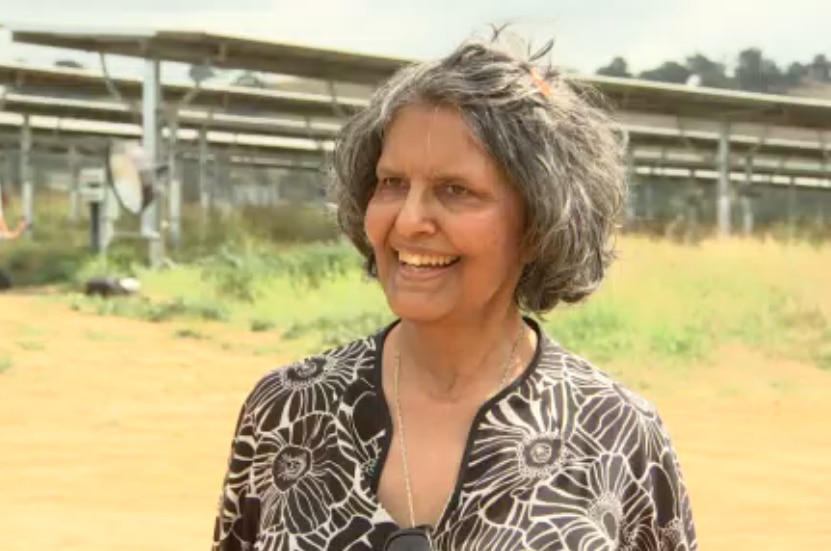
555 142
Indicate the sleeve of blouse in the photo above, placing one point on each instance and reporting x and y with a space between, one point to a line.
672 512
237 520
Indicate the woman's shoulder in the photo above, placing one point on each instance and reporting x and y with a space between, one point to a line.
595 392
315 381
602 413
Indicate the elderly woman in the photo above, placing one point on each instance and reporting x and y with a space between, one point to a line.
477 189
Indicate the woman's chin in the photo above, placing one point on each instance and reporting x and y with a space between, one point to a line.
418 311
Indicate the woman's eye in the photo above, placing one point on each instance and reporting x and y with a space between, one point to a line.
390 183
457 190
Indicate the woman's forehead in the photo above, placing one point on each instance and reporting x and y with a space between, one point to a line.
435 135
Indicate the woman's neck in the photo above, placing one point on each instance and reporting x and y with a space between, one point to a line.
450 361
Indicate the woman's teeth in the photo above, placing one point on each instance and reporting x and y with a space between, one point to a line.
426 260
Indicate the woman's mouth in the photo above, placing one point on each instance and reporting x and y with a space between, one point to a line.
425 264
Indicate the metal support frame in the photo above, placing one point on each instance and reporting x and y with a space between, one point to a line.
174 188
73 159
7 176
204 187
333 95
26 183
649 209
4 176
746 200
826 156
151 102
631 197
723 194
113 89
792 206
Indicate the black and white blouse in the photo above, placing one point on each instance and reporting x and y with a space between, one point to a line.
562 458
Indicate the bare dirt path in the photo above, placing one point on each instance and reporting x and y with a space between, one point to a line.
114 435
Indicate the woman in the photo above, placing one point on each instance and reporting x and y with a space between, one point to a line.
5 232
476 188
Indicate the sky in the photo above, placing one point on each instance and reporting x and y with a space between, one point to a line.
587 33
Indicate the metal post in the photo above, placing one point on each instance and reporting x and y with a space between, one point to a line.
95 209
5 181
723 192
221 189
74 182
203 170
9 176
746 201
825 155
631 207
692 205
4 176
151 102
792 206
26 171
174 187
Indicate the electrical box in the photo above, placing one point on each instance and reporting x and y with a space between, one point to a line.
92 184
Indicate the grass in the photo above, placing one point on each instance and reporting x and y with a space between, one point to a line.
6 362
662 302
682 303
32 346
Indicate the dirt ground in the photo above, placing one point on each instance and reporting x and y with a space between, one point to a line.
114 435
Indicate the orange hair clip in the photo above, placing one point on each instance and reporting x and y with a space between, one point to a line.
542 84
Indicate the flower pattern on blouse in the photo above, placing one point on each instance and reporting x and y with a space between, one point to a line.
565 457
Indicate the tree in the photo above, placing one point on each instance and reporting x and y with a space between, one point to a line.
670 71
796 73
756 73
711 73
617 68
821 68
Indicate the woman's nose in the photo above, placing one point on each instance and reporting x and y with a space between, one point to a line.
415 215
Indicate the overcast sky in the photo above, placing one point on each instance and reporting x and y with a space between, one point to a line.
588 33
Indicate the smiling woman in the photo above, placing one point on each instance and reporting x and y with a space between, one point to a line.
478 188
443 224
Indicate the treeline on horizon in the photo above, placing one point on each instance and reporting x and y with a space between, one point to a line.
753 72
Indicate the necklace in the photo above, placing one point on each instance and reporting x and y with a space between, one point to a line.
407 486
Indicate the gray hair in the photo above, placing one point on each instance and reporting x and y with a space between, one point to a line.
558 147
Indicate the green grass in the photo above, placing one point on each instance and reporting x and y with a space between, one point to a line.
662 302
284 271
6 362
101 336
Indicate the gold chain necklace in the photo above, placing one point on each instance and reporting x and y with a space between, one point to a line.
407 485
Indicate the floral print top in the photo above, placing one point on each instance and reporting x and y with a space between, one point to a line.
562 458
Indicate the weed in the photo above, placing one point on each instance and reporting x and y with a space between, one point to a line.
32 346
261 325
6 363
190 333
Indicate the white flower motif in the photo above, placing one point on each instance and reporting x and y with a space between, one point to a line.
299 476
540 455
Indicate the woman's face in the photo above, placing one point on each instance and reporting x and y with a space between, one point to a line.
444 223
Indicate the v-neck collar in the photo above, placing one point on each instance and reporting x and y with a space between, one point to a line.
384 412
